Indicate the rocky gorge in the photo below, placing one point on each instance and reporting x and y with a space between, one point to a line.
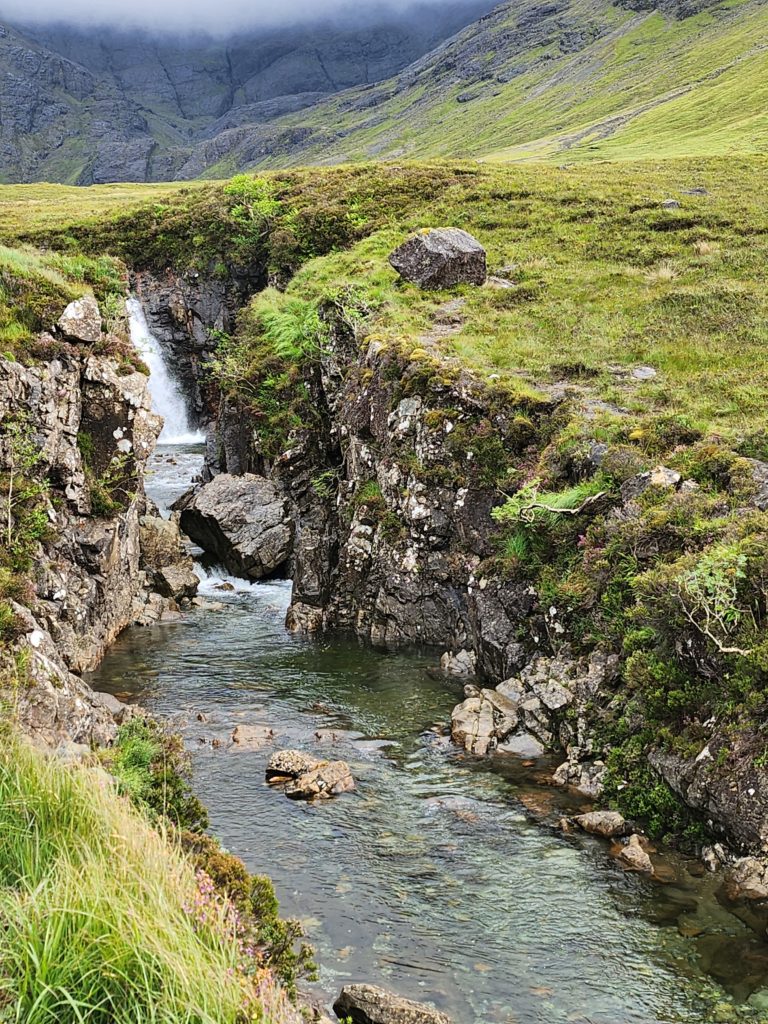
381 515
376 473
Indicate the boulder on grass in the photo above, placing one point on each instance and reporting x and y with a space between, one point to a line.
367 1004
244 522
81 320
440 258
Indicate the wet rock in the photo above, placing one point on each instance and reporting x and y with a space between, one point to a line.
661 476
462 663
177 581
252 737
634 857
584 776
329 778
367 1004
81 320
607 824
747 879
290 764
483 720
522 744
243 521
440 258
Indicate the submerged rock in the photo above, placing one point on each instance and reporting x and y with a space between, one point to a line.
252 737
440 258
243 521
367 1004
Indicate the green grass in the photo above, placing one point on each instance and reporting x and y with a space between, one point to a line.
103 920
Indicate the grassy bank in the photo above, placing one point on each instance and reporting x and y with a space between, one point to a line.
106 920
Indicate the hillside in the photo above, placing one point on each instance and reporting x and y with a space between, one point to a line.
573 79
96 105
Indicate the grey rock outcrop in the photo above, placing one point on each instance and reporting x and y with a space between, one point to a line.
81 320
244 522
440 258
367 1004
165 560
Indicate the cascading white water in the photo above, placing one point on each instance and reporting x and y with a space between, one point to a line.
167 399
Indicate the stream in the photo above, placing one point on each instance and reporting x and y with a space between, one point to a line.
443 877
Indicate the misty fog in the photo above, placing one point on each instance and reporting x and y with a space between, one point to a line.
217 17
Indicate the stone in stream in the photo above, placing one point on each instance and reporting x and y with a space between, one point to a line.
252 737
243 521
330 778
634 857
483 720
308 777
367 1004
290 764
440 258
607 824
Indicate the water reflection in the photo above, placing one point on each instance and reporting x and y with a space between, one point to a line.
443 877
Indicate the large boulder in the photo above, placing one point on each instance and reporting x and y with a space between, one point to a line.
164 559
367 1004
440 258
244 522
81 320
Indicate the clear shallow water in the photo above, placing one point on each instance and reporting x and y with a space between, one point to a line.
442 877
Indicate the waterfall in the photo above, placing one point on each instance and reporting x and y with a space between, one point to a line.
167 399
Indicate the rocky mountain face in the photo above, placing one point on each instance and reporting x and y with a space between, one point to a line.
91 106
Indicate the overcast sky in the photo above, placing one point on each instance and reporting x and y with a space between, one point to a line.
216 16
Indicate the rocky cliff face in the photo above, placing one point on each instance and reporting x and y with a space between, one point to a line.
77 433
388 495
90 106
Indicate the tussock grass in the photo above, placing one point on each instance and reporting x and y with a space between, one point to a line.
101 916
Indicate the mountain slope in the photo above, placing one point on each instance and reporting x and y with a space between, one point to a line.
542 79
97 105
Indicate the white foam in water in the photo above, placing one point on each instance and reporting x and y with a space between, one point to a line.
167 399
273 595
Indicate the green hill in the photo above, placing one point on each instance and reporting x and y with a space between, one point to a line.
568 81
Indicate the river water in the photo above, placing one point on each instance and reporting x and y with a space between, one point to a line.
443 877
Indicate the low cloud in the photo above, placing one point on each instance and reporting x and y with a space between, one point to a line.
218 17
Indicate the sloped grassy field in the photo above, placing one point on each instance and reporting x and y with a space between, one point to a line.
584 81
